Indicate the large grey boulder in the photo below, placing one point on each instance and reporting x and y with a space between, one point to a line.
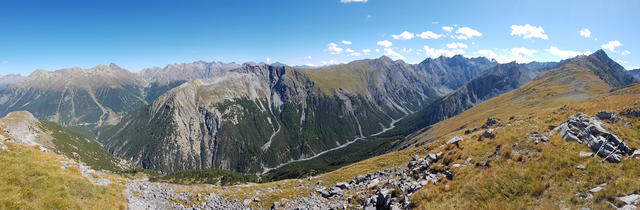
588 130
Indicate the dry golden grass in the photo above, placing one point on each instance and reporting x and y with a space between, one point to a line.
30 179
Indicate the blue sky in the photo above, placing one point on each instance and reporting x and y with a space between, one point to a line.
137 34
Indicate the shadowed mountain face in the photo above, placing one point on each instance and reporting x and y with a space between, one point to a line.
259 117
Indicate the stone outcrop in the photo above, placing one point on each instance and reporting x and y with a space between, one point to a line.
588 131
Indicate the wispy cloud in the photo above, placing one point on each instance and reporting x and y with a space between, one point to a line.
447 28
345 42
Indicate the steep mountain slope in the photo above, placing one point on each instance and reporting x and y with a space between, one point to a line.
89 97
260 116
6 80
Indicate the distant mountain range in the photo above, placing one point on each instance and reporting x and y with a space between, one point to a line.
253 118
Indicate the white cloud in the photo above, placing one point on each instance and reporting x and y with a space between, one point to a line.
405 35
345 42
310 64
349 1
611 45
633 67
467 33
5 62
307 58
527 31
366 51
455 45
563 53
377 50
431 52
394 55
333 49
623 62
626 52
429 35
349 50
515 54
406 50
447 28
585 33
487 53
354 54
268 60
384 43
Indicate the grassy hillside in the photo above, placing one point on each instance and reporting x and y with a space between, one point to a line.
31 179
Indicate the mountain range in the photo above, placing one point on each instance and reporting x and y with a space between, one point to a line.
445 133
253 118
